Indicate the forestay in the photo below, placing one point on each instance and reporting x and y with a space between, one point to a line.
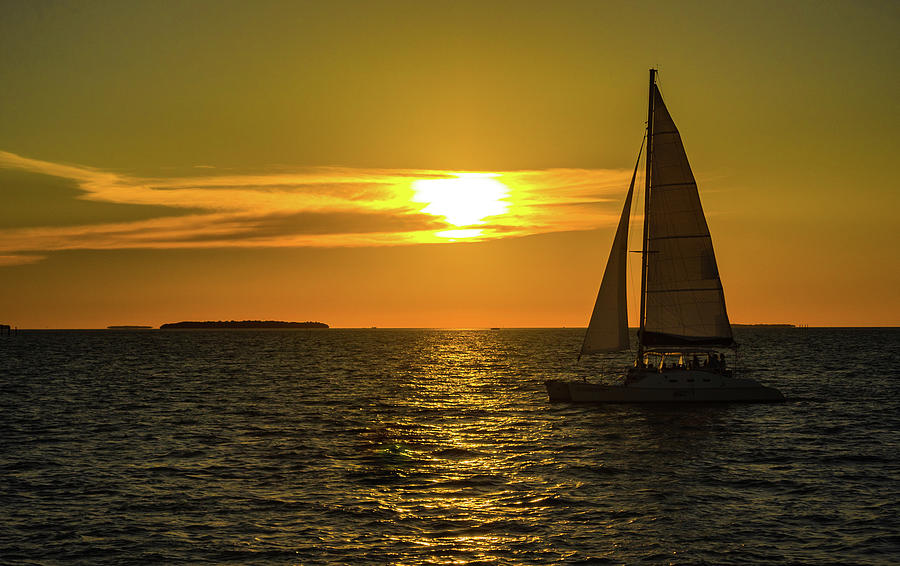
685 304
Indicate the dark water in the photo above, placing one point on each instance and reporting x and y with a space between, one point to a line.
437 447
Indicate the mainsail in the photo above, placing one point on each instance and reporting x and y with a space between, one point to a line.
608 329
685 304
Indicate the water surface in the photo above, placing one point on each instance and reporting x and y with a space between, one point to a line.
436 447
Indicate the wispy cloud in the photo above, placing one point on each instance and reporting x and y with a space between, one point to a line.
320 207
19 259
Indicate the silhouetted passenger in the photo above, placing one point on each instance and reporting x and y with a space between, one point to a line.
714 361
695 362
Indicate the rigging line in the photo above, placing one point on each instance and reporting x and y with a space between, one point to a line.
686 290
631 226
688 236
666 185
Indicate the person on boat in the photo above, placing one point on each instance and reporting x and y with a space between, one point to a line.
695 362
722 362
714 361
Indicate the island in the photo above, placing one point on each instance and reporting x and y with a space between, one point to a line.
240 324
765 325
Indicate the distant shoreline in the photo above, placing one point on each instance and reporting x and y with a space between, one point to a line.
240 325
766 325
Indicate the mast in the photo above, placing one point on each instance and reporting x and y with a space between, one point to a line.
644 250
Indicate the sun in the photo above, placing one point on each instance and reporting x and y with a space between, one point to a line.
464 200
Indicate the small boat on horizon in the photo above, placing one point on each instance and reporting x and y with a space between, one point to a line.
684 326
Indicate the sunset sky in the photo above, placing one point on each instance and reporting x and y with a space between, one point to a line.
434 164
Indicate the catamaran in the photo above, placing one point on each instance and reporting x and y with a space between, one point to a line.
684 330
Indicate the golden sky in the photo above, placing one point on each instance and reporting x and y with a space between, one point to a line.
438 164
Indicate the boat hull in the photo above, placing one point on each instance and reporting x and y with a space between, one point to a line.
661 389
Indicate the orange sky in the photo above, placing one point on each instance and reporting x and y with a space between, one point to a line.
441 165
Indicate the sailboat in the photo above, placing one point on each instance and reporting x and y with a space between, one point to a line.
684 331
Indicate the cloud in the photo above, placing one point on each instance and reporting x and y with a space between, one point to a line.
6 260
318 207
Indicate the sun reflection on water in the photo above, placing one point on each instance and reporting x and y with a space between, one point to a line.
440 471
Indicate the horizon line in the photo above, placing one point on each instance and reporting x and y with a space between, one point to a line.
149 328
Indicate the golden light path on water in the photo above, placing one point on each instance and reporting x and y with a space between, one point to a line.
437 462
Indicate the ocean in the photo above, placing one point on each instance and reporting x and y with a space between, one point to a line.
383 446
